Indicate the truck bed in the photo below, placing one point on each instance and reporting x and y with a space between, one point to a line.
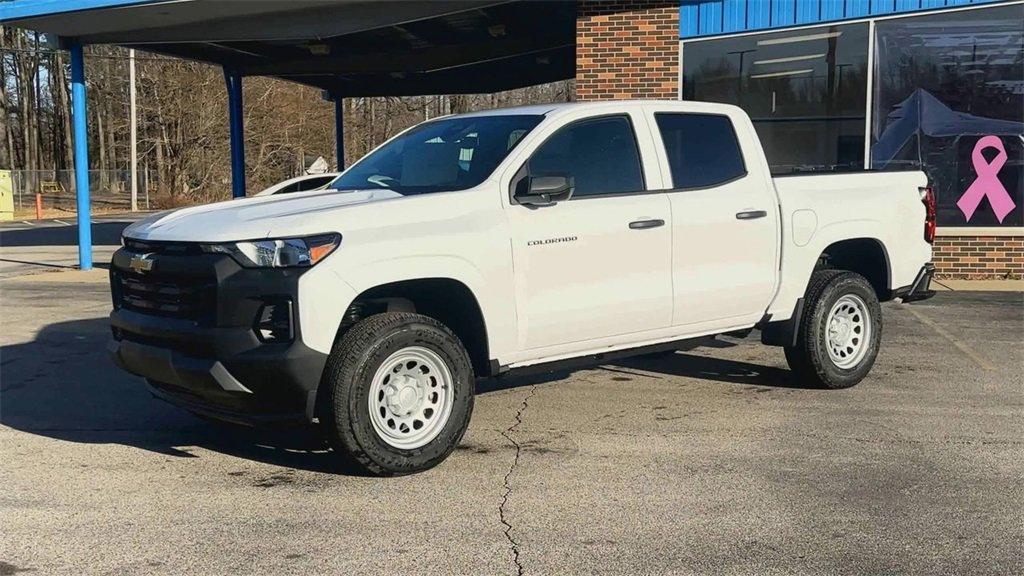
818 210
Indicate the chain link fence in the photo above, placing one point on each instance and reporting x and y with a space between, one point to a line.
109 190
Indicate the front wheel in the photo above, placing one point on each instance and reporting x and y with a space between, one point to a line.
400 393
839 333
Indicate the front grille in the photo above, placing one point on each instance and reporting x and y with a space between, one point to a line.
189 299
164 298
170 248
181 282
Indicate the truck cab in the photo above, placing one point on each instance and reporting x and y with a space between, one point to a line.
480 244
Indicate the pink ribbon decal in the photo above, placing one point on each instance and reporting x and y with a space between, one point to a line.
987 183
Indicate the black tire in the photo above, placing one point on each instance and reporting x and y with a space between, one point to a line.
810 360
348 377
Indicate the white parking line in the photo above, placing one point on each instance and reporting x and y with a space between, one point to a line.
27 222
961 346
62 222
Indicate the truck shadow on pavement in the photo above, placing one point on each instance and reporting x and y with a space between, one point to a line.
716 369
62 385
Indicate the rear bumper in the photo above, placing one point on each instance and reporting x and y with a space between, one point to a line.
921 288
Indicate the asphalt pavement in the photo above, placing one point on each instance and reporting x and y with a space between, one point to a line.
33 246
707 462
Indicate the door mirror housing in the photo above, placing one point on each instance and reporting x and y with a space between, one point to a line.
546 190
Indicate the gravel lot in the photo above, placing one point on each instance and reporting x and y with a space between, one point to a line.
711 461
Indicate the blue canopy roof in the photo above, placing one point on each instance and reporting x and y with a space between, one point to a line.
347 47
18 9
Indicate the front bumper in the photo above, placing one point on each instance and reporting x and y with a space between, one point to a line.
190 327
921 288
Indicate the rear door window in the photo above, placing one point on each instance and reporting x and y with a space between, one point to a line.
702 149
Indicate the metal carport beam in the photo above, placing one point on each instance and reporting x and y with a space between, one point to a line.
236 124
81 144
423 60
339 131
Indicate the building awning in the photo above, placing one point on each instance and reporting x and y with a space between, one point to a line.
347 47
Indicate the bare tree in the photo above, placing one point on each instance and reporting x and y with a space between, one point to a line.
182 116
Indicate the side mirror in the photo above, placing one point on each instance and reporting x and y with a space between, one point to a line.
546 190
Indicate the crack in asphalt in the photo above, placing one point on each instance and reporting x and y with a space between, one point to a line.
507 433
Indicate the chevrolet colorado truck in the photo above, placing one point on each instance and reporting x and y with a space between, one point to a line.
481 244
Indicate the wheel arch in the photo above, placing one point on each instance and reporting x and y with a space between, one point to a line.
866 256
863 254
448 300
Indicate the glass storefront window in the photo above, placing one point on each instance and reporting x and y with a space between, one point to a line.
804 89
949 99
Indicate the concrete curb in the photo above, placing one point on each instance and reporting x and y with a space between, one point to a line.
979 285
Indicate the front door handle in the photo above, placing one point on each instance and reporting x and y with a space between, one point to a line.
751 215
644 224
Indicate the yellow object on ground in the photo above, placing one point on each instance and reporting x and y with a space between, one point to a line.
6 196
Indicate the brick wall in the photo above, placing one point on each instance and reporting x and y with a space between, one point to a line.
979 257
627 49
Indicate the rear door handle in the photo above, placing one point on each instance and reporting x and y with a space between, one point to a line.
644 224
751 215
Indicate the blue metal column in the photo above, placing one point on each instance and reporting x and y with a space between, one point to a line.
234 84
81 136
339 131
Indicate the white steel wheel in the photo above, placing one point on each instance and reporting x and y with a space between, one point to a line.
410 397
838 336
848 331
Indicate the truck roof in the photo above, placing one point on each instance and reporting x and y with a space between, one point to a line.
546 109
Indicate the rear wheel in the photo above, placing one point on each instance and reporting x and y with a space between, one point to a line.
839 333
400 393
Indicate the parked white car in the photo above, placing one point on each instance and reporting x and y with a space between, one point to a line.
299 184
510 240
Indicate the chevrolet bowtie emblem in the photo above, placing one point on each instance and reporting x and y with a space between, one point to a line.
140 263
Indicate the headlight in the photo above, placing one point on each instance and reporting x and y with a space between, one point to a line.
279 253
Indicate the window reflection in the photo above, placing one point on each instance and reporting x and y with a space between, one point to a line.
804 89
942 83
600 154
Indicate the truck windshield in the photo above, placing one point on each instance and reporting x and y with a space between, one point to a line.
439 156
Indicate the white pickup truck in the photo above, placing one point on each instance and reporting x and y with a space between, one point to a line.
528 238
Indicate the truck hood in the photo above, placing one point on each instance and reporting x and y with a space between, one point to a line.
285 215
